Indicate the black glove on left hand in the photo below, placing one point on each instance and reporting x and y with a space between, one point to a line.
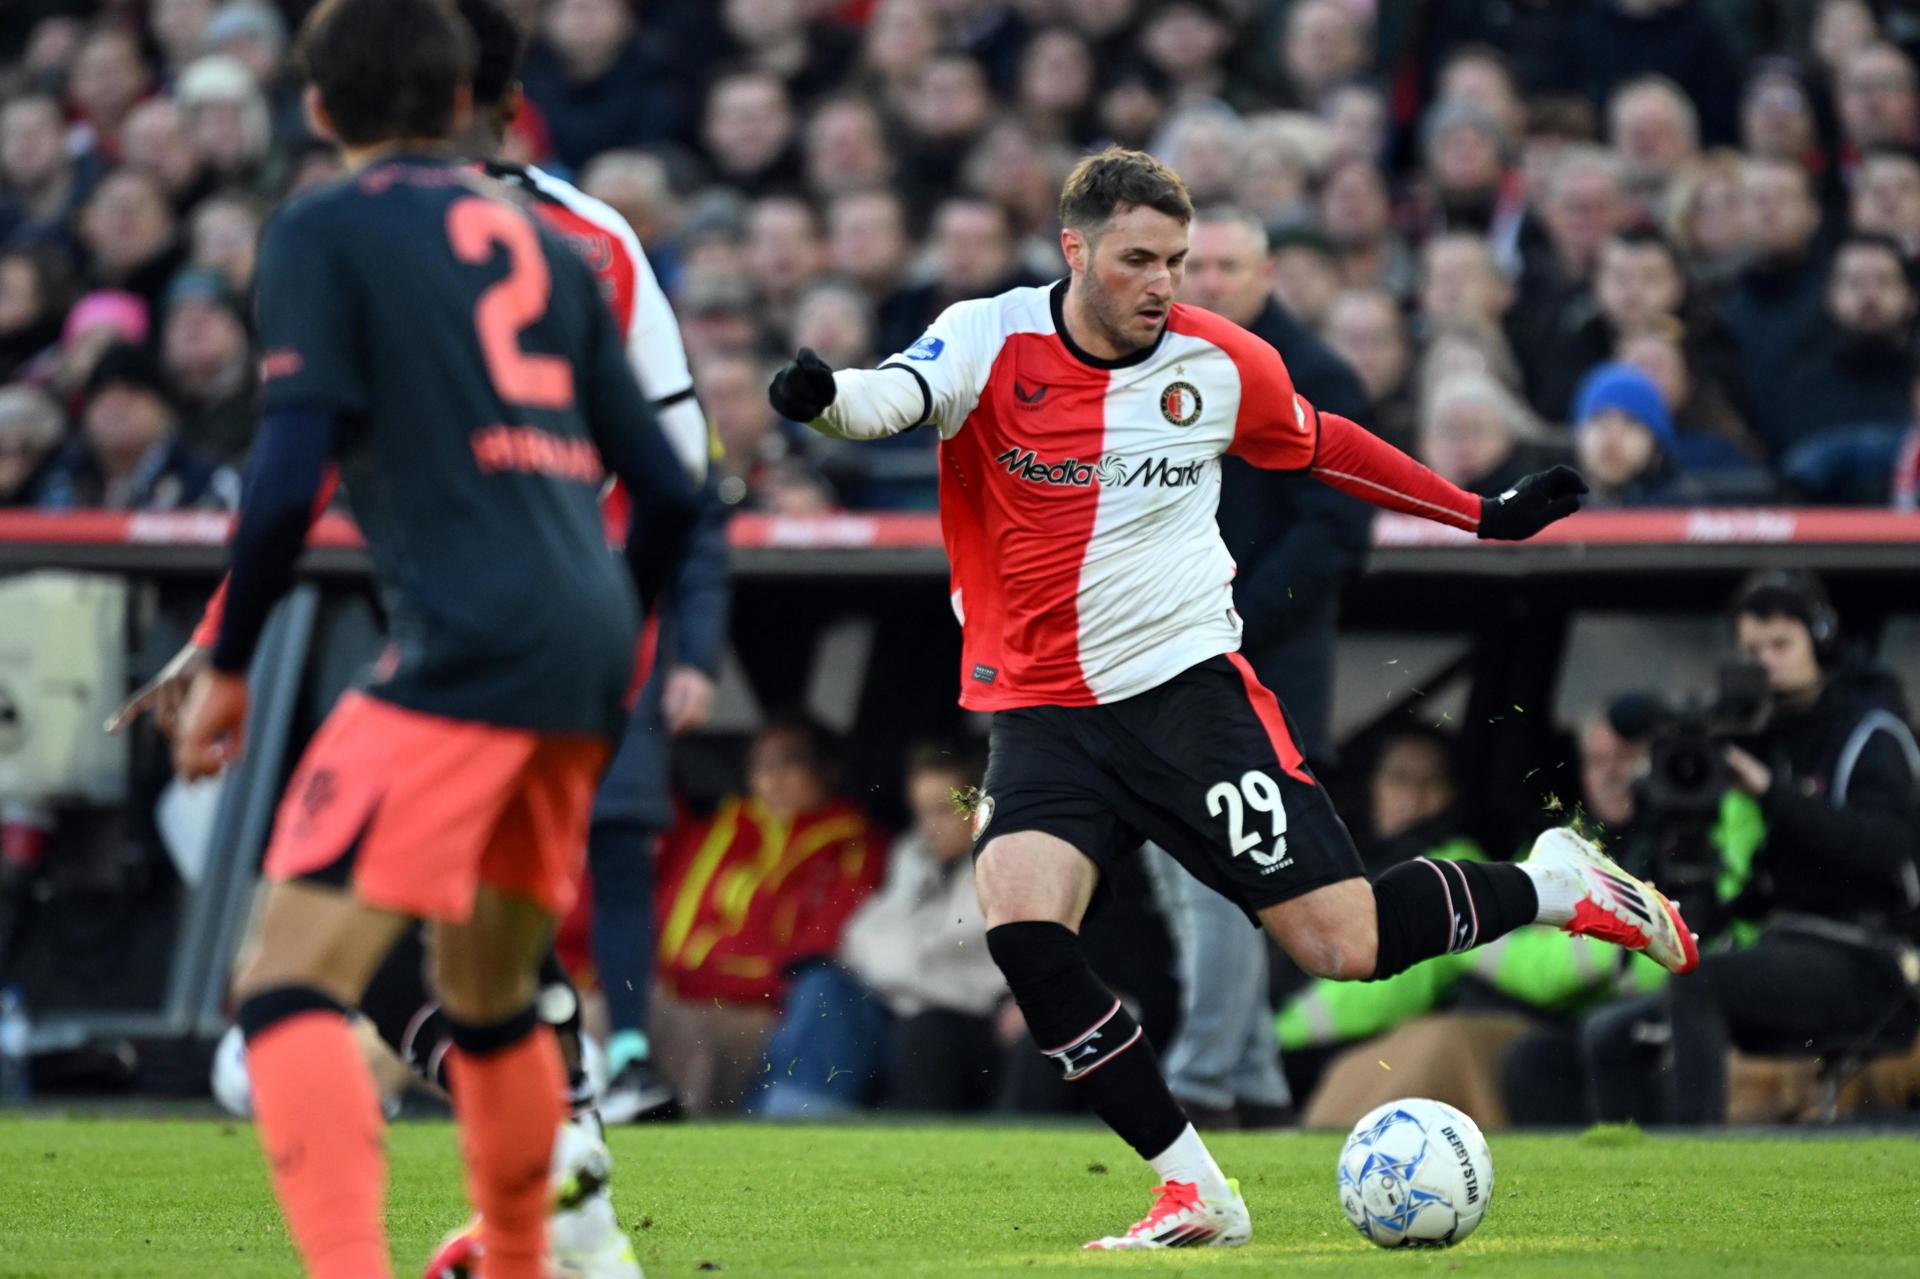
802 390
1532 504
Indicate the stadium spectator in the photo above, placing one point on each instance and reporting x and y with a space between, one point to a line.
973 256
97 321
208 361
156 142
228 120
31 428
1680 39
784 252
42 185
1877 101
1480 76
867 240
905 1018
1865 465
1838 30
109 75
1205 141
1355 114
1777 117
1054 93
1186 42
1655 131
1462 285
733 390
1886 197
777 36
36 289
1706 218
129 233
748 131
1710 435
1470 180
901 35
949 107
599 81
1021 173
1473 431
747 896
1306 274
129 454
1623 441
640 188
1285 150
224 237
1774 307
1356 208
1579 205
1366 329
834 318
846 148
1859 373
1324 43
179 30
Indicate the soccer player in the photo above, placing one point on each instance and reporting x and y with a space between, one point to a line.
460 365
1081 429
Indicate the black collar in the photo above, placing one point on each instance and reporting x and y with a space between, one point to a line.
1056 300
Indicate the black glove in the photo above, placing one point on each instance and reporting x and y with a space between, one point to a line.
802 390
1532 504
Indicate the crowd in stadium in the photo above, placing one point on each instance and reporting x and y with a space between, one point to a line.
1671 240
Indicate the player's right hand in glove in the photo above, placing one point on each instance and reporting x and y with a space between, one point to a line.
802 390
1529 506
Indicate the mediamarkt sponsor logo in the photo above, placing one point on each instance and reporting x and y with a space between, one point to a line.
1111 471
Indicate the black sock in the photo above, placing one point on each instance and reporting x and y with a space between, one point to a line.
1426 908
559 1006
1087 1032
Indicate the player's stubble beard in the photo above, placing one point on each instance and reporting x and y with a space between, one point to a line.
1109 316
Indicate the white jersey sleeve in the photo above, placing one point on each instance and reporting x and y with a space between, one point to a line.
659 358
947 370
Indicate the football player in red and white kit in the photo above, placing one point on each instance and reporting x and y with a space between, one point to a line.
1081 429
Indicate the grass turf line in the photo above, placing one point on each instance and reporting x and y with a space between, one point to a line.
156 1199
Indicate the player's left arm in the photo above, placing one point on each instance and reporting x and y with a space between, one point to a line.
1277 428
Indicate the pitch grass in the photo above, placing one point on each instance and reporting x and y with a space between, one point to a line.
154 1200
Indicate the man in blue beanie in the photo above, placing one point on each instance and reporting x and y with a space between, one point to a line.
1623 440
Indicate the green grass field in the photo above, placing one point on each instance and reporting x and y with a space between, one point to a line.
154 1200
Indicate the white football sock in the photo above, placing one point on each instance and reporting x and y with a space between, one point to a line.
1559 890
1187 1160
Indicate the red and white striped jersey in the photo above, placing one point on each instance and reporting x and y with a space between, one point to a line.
1078 495
607 243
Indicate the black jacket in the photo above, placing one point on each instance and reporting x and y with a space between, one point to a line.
1843 813
1294 538
693 633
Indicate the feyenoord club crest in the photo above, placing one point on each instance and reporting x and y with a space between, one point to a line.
1180 404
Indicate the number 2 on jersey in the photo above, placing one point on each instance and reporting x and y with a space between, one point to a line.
474 227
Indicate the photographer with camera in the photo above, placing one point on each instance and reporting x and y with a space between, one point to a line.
1835 769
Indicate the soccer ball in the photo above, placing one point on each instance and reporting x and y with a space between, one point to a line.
1415 1174
231 1086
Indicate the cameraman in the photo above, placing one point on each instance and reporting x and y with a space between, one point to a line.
1834 770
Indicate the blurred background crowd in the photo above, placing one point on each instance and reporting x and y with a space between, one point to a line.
1671 239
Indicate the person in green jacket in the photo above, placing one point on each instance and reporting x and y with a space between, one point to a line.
1551 975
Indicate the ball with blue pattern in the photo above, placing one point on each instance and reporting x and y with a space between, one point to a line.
1415 1173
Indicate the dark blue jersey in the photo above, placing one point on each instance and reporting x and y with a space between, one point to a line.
482 394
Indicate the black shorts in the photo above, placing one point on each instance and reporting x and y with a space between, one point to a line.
1204 765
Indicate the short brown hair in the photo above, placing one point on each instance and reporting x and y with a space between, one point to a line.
387 69
1101 184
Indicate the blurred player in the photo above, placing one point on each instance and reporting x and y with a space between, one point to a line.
407 1016
1081 430
460 365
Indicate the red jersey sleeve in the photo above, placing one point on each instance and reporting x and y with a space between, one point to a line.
1275 428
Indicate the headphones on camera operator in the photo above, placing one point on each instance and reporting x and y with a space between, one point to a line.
1794 593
